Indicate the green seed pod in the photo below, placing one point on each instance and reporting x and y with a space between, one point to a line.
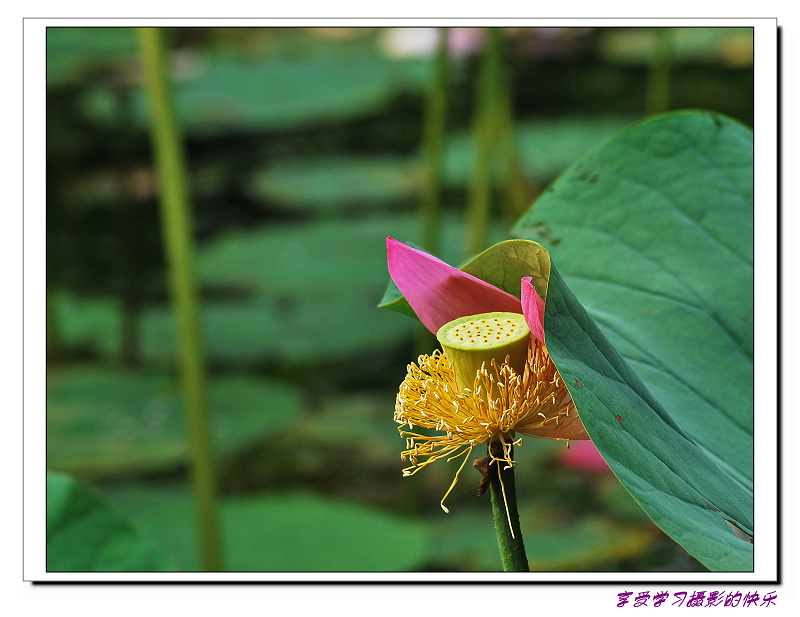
469 342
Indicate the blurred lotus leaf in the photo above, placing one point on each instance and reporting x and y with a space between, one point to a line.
102 422
282 532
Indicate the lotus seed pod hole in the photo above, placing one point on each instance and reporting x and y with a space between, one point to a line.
484 333
468 342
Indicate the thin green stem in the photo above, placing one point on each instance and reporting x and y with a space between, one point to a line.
484 136
432 139
429 211
520 190
658 79
177 229
503 492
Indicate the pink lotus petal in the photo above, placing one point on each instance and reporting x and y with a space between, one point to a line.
533 308
583 456
440 293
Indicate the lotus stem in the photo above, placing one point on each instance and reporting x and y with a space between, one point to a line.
658 79
485 126
433 136
177 229
502 489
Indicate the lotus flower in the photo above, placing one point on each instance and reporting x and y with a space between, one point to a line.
494 378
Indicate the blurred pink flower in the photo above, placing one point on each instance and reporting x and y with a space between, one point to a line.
583 456
465 41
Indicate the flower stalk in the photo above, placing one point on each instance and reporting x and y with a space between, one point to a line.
176 217
433 139
503 493
485 134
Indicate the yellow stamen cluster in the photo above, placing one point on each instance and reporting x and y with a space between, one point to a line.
500 404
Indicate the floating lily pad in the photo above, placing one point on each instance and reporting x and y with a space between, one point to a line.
220 93
86 534
329 328
72 53
545 147
301 259
293 259
102 422
285 327
281 533
93 323
331 184
288 327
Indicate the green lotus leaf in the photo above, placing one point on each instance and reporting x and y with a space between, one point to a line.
653 232
86 534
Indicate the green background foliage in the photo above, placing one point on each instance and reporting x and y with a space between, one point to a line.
133 423
304 153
